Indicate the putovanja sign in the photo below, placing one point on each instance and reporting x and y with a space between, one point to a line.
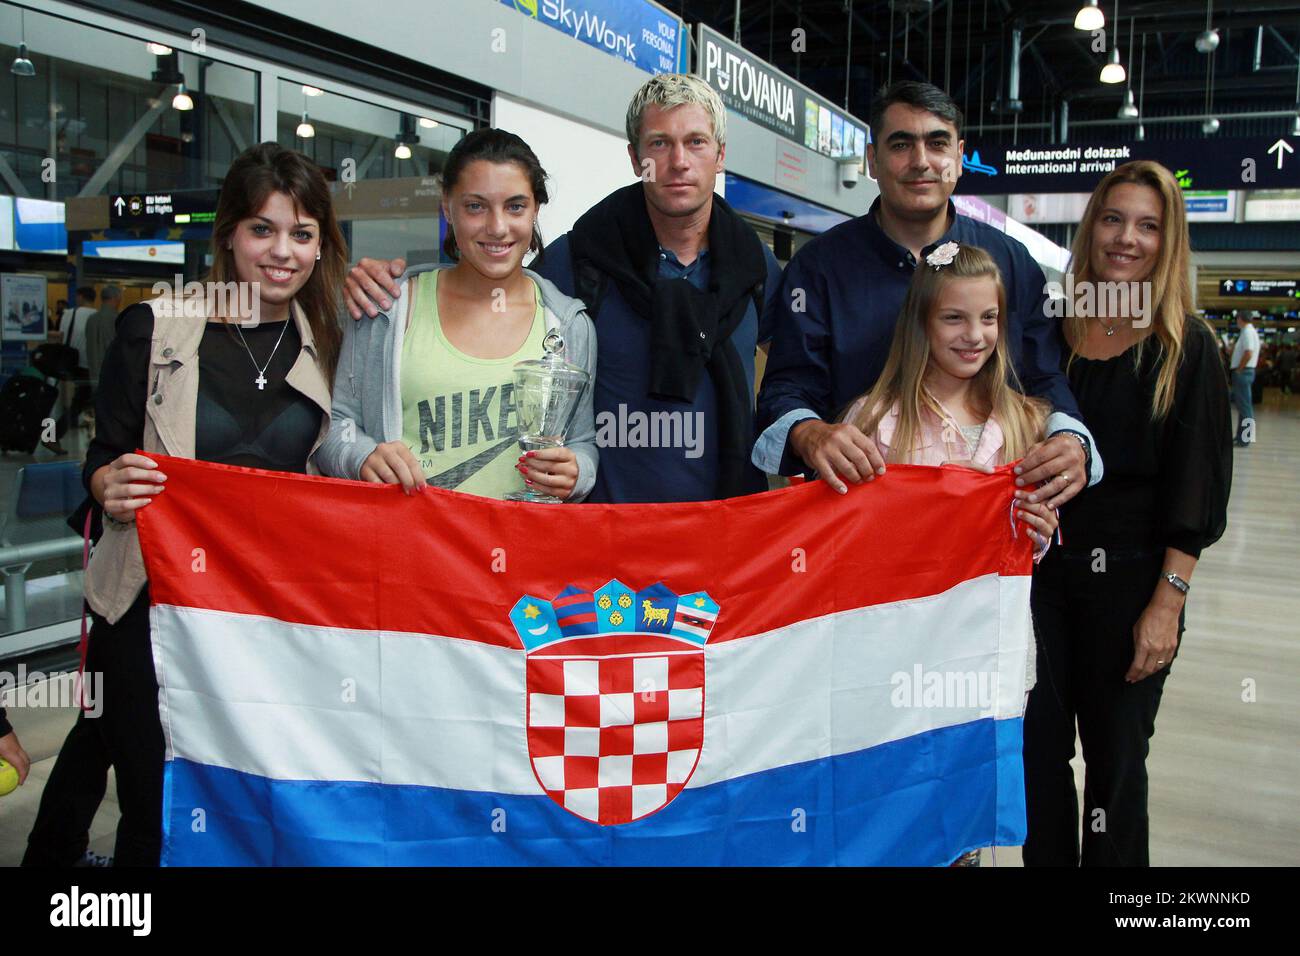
768 97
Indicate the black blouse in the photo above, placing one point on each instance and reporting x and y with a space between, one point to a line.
235 422
1166 482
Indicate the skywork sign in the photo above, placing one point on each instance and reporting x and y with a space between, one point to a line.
635 31
768 97
1066 168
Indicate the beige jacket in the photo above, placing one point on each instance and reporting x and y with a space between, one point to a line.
116 573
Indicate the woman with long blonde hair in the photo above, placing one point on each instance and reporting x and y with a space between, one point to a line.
1109 604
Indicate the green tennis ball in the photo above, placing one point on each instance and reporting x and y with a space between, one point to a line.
8 778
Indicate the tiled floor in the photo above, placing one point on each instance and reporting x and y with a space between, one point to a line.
1224 770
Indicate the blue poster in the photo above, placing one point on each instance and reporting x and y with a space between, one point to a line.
635 31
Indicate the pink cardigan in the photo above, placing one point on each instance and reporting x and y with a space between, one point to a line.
940 439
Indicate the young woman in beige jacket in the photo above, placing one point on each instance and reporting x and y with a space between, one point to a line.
240 375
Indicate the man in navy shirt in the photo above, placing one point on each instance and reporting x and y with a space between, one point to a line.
841 294
674 390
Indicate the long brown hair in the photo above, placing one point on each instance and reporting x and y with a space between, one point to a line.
1171 284
253 177
995 387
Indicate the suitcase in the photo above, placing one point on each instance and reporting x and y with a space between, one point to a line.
25 404
55 360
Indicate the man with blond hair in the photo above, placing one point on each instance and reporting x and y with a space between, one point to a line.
675 282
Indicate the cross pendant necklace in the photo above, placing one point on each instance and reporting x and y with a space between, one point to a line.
260 381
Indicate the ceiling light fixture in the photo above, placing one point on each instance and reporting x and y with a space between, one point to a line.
1090 17
22 65
1129 109
406 136
1113 72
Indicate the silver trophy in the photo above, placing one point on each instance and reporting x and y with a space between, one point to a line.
546 399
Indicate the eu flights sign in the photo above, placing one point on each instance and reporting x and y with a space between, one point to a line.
761 93
1202 164
635 31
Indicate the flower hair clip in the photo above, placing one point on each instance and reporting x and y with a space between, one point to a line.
943 255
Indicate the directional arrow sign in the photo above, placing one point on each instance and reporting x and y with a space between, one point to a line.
1227 285
1281 146
119 202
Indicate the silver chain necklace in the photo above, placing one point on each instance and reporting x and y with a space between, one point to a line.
1110 329
260 381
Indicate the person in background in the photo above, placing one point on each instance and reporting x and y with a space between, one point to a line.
99 331
1108 605
11 751
839 301
1245 357
72 324
1286 362
675 281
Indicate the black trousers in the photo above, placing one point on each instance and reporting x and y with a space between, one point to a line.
1084 621
127 735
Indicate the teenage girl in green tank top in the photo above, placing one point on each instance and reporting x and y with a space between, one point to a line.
465 329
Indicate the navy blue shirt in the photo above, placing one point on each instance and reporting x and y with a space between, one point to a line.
631 468
854 279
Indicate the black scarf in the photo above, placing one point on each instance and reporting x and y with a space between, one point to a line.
690 328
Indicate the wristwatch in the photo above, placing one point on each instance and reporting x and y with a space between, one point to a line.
1087 450
1177 582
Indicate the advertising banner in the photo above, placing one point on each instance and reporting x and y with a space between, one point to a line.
636 31
23 308
763 94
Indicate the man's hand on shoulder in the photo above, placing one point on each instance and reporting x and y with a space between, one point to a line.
371 281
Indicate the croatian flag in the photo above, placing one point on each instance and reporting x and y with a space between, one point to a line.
352 676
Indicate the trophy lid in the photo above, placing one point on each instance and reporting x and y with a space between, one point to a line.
551 364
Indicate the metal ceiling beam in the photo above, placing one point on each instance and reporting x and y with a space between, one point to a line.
1281 78
122 150
1280 39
